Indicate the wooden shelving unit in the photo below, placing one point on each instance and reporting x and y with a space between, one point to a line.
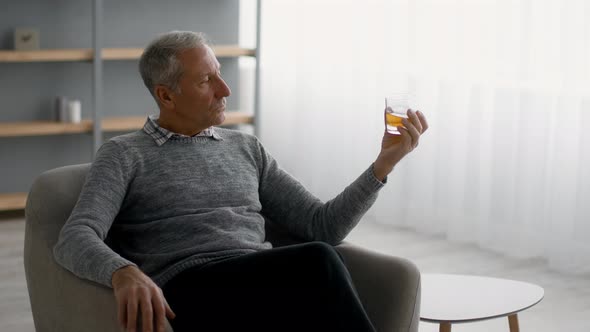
221 51
129 123
13 201
121 53
109 124
17 200
84 54
235 118
41 128
46 55
126 123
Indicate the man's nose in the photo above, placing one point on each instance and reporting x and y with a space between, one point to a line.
223 89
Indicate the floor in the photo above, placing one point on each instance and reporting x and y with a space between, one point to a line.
566 306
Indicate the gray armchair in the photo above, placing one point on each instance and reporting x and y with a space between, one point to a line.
389 287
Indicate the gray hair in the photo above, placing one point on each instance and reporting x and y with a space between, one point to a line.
159 63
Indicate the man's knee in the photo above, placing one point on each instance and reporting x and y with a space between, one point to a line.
320 250
322 256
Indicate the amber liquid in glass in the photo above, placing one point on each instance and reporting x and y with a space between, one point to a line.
393 121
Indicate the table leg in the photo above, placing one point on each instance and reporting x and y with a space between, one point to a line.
444 327
513 323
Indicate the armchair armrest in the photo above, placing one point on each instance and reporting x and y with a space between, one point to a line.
81 305
388 286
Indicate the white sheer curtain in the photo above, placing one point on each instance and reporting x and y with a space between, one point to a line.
504 84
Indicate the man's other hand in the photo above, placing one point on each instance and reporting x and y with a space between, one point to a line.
395 147
136 292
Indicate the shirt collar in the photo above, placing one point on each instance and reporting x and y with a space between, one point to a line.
162 135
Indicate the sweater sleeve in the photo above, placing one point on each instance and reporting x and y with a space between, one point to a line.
289 204
81 248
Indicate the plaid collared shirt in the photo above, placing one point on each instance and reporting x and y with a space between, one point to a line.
162 135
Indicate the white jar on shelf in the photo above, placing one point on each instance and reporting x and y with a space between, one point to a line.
74 114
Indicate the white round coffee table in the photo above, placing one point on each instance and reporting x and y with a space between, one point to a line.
450 299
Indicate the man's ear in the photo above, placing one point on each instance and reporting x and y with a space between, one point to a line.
165 96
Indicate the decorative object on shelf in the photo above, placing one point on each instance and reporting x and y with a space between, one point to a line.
61 109
68 111
74 111
26 39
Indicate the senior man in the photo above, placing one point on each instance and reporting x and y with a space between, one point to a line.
172 216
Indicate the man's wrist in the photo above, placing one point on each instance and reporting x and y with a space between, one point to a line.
381 170
120 273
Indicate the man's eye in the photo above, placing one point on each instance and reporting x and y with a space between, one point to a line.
205 80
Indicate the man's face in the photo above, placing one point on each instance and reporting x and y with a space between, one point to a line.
201 101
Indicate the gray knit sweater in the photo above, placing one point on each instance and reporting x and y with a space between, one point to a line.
167 208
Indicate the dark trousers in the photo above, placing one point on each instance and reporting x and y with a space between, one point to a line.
303 287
